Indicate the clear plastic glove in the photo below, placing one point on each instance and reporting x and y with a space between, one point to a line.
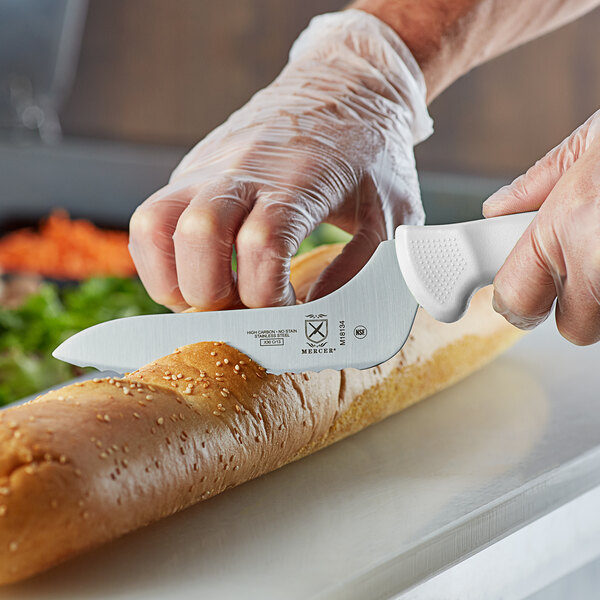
559 254
331 139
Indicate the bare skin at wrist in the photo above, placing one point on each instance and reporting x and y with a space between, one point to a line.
450 37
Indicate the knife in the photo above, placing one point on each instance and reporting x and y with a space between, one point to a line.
362 324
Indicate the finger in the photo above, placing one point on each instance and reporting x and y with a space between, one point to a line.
529 191
151 247
203 241
265 244
344 267
525 286
578 307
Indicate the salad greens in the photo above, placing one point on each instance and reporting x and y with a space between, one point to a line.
29 334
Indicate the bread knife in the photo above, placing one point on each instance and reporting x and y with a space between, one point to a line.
360 325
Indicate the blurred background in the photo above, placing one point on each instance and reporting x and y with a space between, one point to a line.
100 99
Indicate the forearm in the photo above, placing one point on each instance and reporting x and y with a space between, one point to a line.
450 37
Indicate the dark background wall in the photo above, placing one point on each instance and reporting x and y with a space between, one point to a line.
167 72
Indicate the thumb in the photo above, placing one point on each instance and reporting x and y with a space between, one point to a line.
344 267
529 191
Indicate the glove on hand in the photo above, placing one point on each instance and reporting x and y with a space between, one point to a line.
559 254
331 139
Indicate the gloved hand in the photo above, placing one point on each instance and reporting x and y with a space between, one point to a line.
331 139
559 254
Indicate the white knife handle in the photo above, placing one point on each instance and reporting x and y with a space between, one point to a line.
444 265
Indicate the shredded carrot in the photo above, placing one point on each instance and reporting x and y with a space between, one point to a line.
66 249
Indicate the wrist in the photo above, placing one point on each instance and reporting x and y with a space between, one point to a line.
434 32
379 73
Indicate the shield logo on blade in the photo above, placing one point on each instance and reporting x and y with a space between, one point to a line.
316 329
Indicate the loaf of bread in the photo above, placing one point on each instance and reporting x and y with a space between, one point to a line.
89 462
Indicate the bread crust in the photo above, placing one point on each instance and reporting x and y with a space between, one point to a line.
89 462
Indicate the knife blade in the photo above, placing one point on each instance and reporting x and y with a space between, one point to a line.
360 325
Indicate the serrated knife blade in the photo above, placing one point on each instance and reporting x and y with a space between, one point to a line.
360 325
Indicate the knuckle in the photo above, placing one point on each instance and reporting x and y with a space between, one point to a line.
142 221
266 238
197 224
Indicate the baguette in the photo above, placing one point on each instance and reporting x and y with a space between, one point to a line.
92 461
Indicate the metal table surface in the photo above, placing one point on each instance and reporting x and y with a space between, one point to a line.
382 511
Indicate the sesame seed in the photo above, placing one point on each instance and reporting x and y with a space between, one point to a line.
167 377
85 515
103 455
187 391
117 384
29 470
62 459
213 353
226 361
218 363
237 367
136 415
151 388
126 391
236 467
244 376
160 420
242 362
148 397
173 384
179 375
3 509
188 378
12 547
106 418
216 413
96 380
226 390
125 463
167 372
237 408
80 503
141 403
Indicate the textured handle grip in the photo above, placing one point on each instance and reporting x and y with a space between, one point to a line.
445 265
